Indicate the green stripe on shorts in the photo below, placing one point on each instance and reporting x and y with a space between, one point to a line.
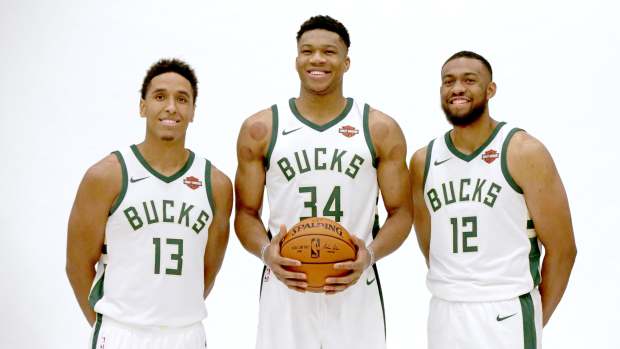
96 331
529 327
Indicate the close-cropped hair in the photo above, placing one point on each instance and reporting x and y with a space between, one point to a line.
472 55
325 23
170 65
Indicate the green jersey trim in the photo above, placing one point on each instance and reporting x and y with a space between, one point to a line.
427 162
534 261
371 147
504 159
121 195
274 134
97 292
529 327
477 152
208 185
374 267
323 127
167 179
375 231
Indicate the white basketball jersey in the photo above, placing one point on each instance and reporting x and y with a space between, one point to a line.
152 268
322 170
483 245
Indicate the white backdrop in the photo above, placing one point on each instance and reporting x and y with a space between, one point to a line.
70 73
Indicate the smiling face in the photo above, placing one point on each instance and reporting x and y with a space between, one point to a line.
168 107
322 60
466 89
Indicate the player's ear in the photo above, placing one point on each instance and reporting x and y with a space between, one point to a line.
142 107
347 64
491 89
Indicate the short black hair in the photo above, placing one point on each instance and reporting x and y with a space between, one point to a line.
472 55
170 65
325 23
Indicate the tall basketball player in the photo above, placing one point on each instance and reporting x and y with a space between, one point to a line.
156 217
322 154
486 196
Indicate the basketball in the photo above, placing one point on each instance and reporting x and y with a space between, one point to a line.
318 243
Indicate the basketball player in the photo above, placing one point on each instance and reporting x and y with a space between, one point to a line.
322 154
486 196
156 216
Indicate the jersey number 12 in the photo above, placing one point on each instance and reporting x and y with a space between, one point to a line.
469 223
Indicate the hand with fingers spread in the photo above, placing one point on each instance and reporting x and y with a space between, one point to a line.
274 260
357 267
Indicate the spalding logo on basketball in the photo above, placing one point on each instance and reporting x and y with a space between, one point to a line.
318 243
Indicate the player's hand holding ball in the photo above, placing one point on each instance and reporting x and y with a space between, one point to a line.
274 260
356 268
328 254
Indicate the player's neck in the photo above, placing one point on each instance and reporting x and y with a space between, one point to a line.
166 158
469 138
320 109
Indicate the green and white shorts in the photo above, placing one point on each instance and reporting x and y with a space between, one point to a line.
111 334
510 324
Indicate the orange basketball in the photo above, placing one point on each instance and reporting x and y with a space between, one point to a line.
318 243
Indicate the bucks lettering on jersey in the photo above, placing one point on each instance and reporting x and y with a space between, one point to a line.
483 245
322 170
152 269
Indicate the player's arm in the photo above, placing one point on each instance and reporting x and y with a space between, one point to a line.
85 234
219 228
533 169
421 216
393 177
252 145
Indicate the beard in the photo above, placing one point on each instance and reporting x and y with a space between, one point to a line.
467 119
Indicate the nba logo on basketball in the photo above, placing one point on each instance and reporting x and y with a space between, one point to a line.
489 156
315 248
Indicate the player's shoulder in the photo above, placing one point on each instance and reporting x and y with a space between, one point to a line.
418 159
384 130
257 127
523 144
104 178
107 169
222 189
377 117
219 178
263 116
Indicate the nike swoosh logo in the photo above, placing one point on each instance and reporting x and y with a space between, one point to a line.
437 163
504 317
369 282
132 180
285 132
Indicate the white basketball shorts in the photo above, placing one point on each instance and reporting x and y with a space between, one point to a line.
111 334
511 324
290 319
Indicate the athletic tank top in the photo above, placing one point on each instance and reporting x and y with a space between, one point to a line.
322 170
483 244
151 272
